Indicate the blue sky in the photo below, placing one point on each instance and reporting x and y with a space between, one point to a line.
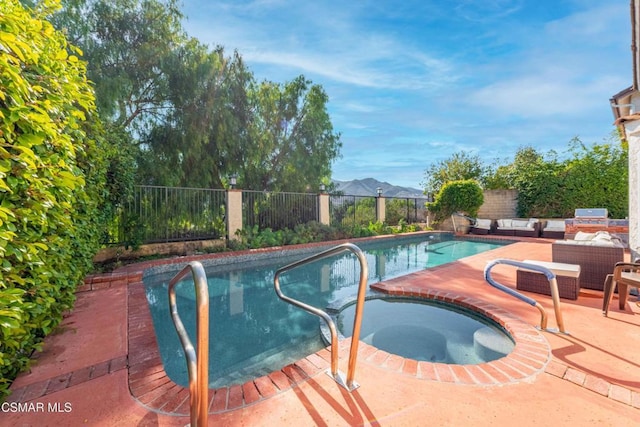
412 82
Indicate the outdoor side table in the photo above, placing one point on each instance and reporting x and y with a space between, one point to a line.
567 276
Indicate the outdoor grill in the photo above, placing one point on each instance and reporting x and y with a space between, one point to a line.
597 213
591 220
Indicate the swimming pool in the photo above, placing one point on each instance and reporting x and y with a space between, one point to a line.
253 332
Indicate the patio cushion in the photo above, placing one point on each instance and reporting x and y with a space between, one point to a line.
483 223
505 223
582 236
599 238
554 224
520 223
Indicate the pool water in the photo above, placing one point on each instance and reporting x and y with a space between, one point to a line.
252 331
428 331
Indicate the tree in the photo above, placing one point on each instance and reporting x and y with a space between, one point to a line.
205 137
293 139
51 180
539 182
126 44
195 115
460 166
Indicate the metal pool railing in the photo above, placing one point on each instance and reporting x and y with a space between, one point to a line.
553 283
197 363
349 384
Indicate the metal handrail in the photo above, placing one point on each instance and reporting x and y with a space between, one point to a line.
197 363
350 385
553 283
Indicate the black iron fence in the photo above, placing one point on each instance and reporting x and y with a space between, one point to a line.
278 211
169 214
410 209
352 210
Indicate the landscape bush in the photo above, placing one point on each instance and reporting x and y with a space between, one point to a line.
254 237
463 196
51 181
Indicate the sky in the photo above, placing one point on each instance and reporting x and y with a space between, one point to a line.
412 82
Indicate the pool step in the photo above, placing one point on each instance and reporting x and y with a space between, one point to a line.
490 344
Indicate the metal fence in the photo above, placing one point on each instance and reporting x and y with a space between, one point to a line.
278 211
169 214
411 209
352 210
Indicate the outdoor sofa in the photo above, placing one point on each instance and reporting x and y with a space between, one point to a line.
595 253
553 229
518 227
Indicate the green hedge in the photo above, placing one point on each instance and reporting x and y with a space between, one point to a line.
50 181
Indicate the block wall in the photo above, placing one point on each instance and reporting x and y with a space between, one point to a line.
499 204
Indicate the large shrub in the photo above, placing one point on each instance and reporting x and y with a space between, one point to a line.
595 176
463 196
50 180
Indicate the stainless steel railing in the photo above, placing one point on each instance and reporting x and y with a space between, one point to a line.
553 283
349 383
197 360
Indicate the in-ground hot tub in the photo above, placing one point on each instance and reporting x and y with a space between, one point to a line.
427 330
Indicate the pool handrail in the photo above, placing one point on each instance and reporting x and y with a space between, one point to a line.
349 384
553 284
197 363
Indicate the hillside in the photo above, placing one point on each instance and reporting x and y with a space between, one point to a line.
368 186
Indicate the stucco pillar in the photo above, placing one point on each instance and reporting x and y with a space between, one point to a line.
234 213
323 209
381 214
632 130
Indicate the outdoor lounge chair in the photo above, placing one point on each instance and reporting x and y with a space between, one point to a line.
553 229
625 275
482 226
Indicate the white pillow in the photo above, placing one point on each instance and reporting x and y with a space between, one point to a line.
581 235
602 237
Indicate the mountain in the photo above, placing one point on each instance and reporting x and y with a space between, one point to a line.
368 186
